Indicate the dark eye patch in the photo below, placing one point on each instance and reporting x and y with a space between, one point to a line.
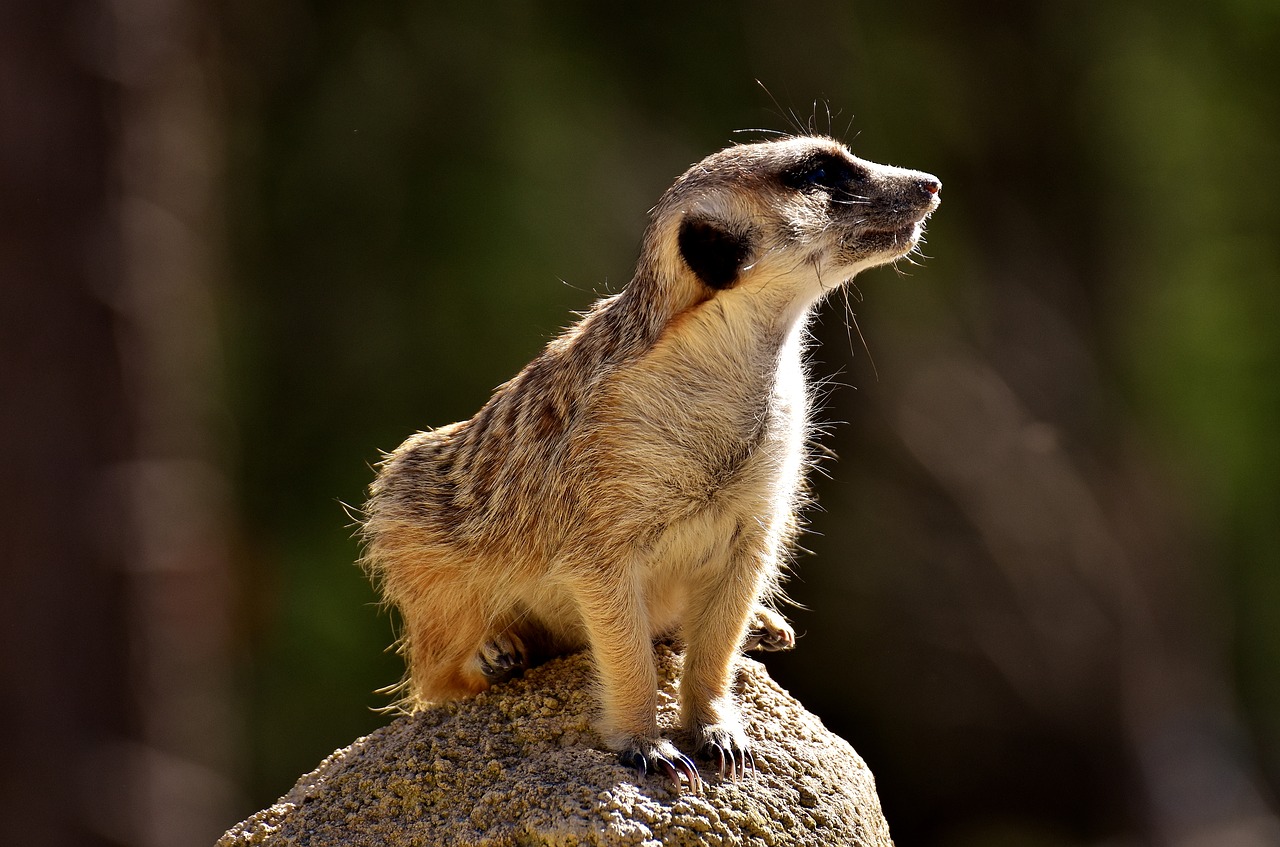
822 170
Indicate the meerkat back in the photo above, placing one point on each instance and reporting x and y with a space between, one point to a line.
642 477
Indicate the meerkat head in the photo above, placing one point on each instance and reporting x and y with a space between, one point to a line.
795 217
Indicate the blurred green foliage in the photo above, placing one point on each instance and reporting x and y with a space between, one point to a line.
419 194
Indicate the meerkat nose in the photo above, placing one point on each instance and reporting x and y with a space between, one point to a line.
930 185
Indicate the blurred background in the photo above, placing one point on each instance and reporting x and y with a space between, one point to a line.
247 245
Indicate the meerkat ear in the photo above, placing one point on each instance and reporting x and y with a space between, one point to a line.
712 251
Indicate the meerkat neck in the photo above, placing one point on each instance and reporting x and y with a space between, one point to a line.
631 322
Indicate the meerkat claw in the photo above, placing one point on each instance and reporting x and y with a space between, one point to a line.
729 765
663 758
729 750
502 656
771 641
724 761
769 631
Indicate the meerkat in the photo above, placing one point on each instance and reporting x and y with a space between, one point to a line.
642 477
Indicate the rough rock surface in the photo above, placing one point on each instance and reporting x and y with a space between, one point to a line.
520 765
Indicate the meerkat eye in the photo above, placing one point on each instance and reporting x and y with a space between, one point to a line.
825 171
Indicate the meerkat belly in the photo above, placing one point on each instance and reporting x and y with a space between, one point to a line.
723 485
686 554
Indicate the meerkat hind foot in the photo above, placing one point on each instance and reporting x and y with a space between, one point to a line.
769 631
661 756
502 657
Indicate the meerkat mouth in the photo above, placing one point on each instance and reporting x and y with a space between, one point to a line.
900 219
897 238
910 229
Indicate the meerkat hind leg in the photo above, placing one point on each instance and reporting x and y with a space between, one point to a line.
442 653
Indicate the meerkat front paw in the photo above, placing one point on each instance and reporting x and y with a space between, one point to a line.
768 630
502 657
661 756
726 745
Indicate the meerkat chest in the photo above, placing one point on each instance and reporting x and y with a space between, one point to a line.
716 417
735 461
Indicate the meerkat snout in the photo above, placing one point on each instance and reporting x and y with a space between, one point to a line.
643 477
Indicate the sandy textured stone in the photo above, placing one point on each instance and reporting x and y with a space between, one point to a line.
520 765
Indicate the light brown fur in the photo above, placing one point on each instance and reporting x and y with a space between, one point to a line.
642 477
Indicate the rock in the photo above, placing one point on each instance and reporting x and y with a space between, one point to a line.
520 765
